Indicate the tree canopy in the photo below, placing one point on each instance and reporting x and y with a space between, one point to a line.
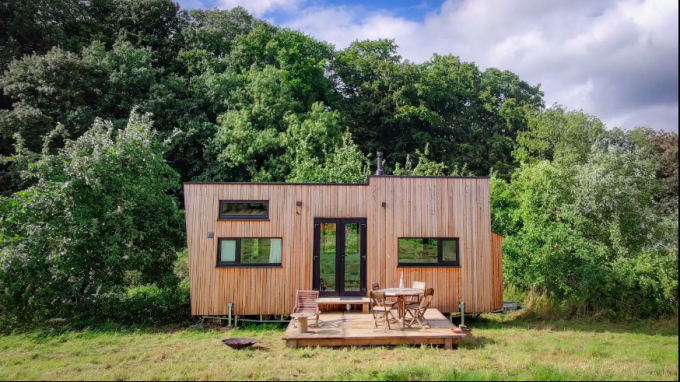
90 188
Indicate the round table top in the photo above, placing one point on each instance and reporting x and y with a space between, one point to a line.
393 292
301 315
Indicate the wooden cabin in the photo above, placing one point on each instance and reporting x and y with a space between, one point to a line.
255 244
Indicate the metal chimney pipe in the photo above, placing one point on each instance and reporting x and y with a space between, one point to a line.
380 171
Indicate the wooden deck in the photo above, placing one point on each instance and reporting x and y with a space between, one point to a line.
356 329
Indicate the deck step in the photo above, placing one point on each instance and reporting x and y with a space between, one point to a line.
344 300
334 301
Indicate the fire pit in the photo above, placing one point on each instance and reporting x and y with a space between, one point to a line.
239 343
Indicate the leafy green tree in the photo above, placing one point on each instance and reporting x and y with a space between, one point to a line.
36 26
425 167
590 234
468 117
560 135
318 151
660 147
58 87
101 210
345 163
153 24
267 136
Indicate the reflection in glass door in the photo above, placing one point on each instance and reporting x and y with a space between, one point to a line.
327 252
352 257
340 257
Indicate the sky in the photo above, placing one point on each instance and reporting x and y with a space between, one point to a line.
615 59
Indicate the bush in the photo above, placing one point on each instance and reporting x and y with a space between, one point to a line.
99 226
590 236
149 305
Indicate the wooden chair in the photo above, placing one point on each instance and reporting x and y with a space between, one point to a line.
417 311
391 303
307 301
380 310
416 285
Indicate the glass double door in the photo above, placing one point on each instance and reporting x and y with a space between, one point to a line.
340 257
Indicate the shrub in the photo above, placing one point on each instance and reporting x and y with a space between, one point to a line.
149 305
590 235
99 221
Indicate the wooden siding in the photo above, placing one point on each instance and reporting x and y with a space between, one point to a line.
497 271
416 207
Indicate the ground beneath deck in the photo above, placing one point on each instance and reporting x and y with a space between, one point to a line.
356 329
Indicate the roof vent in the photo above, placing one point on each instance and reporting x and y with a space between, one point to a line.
380 171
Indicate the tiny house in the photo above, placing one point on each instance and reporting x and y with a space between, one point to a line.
254 245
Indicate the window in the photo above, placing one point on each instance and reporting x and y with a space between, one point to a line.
244 210
249 252
428 252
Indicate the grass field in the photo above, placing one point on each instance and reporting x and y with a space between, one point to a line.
500 348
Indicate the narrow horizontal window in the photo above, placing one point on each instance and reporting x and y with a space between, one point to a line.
428 252
249 252
418 251
244 210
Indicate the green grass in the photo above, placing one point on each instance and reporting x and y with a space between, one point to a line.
500 347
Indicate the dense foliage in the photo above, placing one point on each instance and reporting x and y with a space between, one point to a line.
90 225
98 222
590 225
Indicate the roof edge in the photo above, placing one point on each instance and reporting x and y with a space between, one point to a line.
343 184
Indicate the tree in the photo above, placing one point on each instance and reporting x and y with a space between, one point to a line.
560 135
468 117
268 136
100 214
590 234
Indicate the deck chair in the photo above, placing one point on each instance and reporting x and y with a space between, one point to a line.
392 303
416 285
417 311
380 310
307 301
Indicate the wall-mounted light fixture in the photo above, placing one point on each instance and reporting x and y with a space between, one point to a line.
299 204
211 235
384 204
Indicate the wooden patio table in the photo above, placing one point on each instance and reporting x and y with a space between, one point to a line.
401 294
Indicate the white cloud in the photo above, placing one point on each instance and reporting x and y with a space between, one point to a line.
260 7
614 59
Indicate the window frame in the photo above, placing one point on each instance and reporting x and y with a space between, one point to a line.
237 258
440 254
227 217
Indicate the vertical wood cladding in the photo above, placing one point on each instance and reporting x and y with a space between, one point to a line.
415 207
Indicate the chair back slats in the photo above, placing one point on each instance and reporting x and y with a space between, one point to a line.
375 286
307 301
377 298
419 285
